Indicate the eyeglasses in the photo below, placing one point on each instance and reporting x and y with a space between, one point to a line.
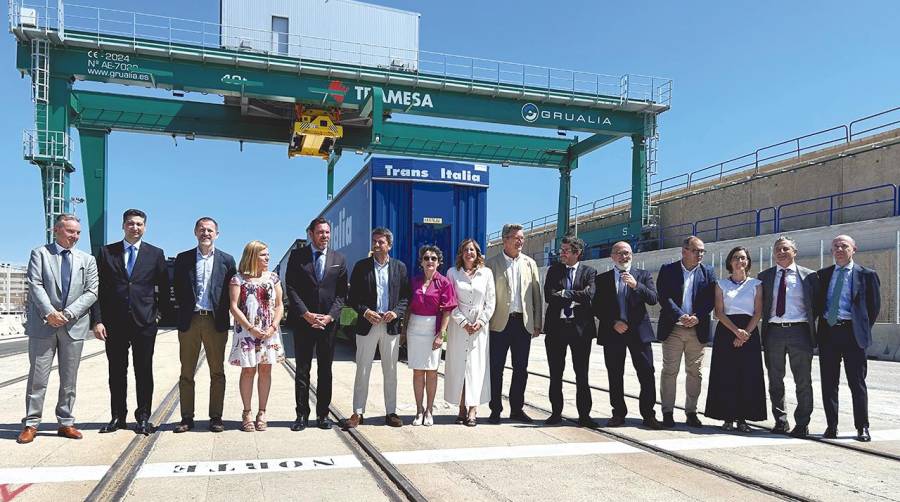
429 258
622 253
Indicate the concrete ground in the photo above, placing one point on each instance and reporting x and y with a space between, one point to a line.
510 461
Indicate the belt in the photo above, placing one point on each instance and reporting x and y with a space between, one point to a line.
788 324
515 315
567 320
842 322
203 312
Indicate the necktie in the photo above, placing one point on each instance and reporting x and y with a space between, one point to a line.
782 293
623 312
834 301
320 265
66 275
130 265
570 273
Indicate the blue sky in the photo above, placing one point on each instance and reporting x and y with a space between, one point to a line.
744 77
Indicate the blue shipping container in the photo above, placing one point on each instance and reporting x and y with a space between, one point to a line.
420 201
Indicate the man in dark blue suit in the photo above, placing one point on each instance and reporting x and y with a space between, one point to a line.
620 303
134 294
686 296
847 311
202 275
569 324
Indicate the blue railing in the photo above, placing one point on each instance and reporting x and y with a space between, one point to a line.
832 209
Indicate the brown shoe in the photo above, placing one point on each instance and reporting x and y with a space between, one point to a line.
393 420
354 421
68 431
27 435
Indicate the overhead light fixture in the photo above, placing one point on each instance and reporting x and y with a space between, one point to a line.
178 93
561 131
377 139
505 163
360 152
190 136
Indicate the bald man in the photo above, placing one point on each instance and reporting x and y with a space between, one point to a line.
847 311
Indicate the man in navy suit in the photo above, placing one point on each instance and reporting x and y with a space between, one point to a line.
317 287
134 292
569 324
848 308
686 297
620 303
201 281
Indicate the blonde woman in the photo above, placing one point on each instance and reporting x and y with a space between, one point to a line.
257 309
468 380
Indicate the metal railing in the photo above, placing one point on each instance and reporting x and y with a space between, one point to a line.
750 163
53 146
833 209
98 24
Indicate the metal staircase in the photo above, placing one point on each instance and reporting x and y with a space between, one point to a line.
651 139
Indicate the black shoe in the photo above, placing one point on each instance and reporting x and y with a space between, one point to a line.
520 416
781 427
553 419
185 425
216 425
693 421
144 427
114 425
494 418
668 421
323 423
615 421
862 434
727 426
652 423
300 424
800 432
742 427
588 422
830 432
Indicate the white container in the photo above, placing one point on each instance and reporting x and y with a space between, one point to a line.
338 31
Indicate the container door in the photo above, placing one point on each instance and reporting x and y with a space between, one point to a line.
433 221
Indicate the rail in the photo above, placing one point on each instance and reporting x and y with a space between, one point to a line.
832 210
270 46
750 163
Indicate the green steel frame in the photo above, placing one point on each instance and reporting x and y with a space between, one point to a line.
378 95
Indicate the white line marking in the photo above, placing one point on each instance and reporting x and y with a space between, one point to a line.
23 475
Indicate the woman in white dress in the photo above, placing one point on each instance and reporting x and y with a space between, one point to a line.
257 309
468 381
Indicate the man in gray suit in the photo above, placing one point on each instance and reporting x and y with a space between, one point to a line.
62 286
789 294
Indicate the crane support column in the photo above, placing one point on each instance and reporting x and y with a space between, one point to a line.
565 190
95 164
639 188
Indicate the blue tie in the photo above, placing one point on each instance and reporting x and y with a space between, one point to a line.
623 312
569 281
320 265
834 301
66 273
130 265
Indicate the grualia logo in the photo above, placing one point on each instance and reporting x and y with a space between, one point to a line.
530 112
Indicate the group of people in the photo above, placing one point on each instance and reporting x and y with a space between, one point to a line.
484 309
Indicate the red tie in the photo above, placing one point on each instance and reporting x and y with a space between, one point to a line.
782 293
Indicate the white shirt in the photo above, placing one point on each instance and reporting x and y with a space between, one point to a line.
513 275
204 270
574 268
137 250
382 292
687 292
739 298
794 306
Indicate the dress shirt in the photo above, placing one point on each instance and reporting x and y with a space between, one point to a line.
619 285
59 250
137 251
204 270
515 283
574 272
687 293
844 304
382 292
794 306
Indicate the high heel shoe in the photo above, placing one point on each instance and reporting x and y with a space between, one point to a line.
418 420
429 419
247 424
261 423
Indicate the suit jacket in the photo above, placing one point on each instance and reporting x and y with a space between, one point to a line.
364 293
582 293
142 298
811 290
531 297
308 294
45 292
606 306
670 284
865 301
186 280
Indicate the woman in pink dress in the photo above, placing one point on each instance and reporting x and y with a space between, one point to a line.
257 309
432 300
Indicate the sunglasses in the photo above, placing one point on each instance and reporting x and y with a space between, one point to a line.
429 258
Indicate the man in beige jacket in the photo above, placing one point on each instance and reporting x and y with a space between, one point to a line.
517 319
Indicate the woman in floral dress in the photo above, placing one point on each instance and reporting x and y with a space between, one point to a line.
257 309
